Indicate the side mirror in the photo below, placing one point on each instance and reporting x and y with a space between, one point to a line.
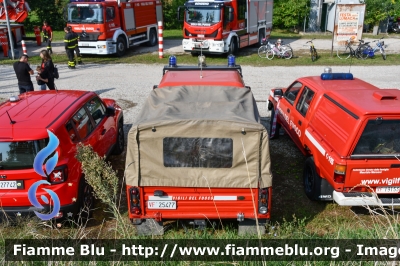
278 92
230 14
179 13
110 111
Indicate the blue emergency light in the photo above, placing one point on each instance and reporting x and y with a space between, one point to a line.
231 60
337 76
172 61
71 1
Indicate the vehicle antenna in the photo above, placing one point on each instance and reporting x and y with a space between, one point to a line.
11 121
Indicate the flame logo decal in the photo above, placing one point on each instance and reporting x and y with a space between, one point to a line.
44 153
38 167
32 198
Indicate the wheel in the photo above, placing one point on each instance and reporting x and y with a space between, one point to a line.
343 52
250 227
363 52
120 143
121 46
152 38
261 36
86 201
311 180
271 123
287 54
270 54
262 51
383 54
194 54
150 227
233 47
314 55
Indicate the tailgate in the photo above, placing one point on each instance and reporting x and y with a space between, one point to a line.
381 174
199 203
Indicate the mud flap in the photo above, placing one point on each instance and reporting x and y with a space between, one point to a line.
249 227
326 191
150 227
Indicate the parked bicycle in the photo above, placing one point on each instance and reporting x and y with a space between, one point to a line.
380 45
269 50
344 52
313 51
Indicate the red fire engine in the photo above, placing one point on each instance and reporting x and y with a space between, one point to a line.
219 27
112 26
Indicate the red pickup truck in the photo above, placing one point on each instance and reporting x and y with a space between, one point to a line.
350 132
198 152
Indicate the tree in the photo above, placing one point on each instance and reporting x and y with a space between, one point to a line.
378 10
49 10
290 13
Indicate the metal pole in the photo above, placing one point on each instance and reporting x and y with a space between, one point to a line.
9 30
333 32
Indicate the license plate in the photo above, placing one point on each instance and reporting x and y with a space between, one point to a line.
167 204
83 44
388 190
200 35
11 184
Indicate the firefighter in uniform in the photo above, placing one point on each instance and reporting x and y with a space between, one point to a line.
78 53
47 36
70 42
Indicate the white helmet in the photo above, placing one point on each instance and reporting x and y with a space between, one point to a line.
279 41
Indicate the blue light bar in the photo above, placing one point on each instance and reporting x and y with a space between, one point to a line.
231 60
172 61
337 76
72 1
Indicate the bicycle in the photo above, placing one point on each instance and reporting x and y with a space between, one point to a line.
266 45
380 45
344 52
268 50
313 51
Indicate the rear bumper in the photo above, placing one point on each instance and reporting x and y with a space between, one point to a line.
364 199
69 211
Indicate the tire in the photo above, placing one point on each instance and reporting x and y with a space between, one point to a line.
314 55
343 52
261 36
363 52
152 38
194 53
287 54
278 126
383 54
150 227
311 180
270 54
262 51
121 46
233 47
120 143
86 201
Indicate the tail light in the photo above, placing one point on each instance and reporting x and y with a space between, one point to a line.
134 200
339 173
263 200
58 175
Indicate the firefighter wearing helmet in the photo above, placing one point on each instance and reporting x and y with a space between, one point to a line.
70 41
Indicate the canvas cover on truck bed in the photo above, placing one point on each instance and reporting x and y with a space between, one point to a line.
197 136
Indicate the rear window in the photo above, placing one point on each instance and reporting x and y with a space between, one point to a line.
19 155
198 152
380 137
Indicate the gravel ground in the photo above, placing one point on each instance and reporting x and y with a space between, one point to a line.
130 84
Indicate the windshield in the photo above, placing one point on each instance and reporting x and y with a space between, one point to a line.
198 152
203 15
19 155
85 13
380 137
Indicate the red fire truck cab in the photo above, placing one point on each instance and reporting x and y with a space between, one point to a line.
350 131
198 152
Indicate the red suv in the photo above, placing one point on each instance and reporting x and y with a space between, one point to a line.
27 121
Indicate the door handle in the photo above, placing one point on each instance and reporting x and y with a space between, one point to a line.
299 122
103 131
288 110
